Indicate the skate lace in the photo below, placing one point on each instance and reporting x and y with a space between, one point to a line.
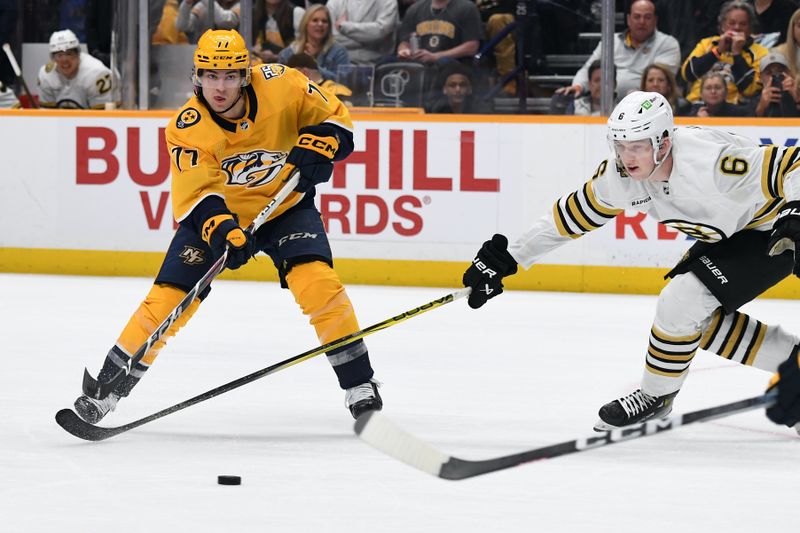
636 402
359 393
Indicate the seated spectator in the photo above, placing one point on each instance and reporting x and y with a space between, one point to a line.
779 97
7 97
166 32
308 66
439 31
316 39
659 79
276 23
73 79
193 17
365 29
791 48
641 45
732 52
713 91
457 94
772 16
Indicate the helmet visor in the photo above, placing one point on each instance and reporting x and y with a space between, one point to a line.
215 79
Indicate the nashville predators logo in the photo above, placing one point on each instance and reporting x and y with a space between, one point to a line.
192 256
253 169
187 117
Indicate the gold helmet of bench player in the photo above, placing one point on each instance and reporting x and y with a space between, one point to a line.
223 50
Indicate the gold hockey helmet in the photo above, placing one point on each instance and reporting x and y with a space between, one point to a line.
221 49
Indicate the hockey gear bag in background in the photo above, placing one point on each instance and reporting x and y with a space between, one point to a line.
786 233
485 275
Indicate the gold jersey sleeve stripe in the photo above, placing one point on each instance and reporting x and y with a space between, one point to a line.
755 344
577 215
561 223
594 203
767 169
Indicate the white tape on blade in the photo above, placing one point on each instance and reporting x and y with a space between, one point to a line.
384 435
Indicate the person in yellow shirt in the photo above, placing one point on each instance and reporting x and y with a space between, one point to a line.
233 146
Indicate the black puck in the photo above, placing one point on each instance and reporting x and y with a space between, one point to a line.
229 480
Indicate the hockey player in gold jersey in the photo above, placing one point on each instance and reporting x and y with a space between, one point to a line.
232 147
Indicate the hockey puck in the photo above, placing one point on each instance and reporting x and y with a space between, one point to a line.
229 480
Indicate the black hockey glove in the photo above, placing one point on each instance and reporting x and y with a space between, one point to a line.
313 156
223 230
787 409
786 233
485 274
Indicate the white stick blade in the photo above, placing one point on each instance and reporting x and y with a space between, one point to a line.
384 435
12 59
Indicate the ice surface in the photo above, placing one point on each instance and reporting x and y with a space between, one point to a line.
529 369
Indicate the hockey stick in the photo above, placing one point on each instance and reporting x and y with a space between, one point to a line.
95 389
18 73
381 433
72 423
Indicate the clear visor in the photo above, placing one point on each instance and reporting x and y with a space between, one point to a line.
632 148
216 79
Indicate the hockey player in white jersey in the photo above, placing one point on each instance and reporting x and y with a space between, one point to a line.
741 201
73 79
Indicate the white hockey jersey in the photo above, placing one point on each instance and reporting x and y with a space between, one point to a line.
91 88
720 183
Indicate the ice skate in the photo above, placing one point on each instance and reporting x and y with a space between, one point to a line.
632 409
363 398
93 410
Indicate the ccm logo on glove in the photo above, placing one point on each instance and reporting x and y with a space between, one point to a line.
319 144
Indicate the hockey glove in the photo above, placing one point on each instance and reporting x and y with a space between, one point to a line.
485 274
786 233
220 231
787 409
313 155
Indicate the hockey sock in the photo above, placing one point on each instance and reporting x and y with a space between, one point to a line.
321 296
159 303
741 338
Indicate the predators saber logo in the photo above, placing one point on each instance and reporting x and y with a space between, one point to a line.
253 169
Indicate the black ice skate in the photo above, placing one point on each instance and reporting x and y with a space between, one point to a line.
632 409
93 410
363 398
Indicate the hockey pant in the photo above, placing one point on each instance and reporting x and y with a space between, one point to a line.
698 309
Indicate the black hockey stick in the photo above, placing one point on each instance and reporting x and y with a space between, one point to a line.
381 433
99 390
72 423
18 72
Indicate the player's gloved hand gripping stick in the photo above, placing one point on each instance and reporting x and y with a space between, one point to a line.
100 390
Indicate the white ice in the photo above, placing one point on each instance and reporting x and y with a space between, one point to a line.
527 370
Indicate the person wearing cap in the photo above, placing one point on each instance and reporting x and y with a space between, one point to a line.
779 97
74 79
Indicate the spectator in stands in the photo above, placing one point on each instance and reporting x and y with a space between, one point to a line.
439 31
365 28
457 94
276 23
713 91
498 14
7 97
316 39
193 16
634 49
660 79
772 16
73 79
688 20
308 66
166 32
779 97
789 49
732 52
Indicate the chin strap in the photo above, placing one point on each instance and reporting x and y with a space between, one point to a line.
241 92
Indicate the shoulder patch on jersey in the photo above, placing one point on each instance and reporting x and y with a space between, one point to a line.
188 117
272 70
50 66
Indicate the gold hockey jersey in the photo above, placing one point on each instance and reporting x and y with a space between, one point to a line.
239 161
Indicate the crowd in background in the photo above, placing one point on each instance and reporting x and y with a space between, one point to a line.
709 58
